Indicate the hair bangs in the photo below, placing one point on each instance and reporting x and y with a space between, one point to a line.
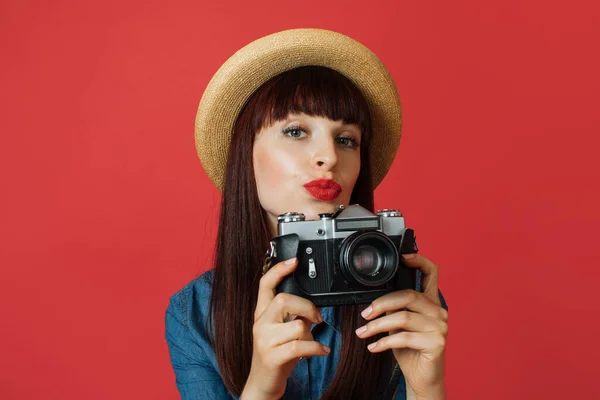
312 90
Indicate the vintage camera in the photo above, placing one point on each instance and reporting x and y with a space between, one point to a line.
351 256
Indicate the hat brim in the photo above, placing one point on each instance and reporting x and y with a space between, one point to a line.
253 65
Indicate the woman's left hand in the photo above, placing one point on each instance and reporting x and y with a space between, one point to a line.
417 337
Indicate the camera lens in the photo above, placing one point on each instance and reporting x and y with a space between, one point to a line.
368 258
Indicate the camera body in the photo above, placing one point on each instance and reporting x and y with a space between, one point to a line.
348 257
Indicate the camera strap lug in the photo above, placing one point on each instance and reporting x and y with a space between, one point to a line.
338 211
269 255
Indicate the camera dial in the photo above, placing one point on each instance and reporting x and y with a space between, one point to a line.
389 212
291 217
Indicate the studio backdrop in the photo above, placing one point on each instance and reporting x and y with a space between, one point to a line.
105 210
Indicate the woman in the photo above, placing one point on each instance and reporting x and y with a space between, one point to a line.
303 120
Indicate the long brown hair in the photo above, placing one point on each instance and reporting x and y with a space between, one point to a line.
243 234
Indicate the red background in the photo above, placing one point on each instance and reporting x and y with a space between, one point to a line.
106 211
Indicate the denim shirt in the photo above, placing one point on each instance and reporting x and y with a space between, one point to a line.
195 364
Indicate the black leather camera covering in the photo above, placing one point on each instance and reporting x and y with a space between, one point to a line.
286 247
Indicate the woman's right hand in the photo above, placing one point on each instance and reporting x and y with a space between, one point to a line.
279 343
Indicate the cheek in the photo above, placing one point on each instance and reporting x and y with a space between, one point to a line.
351 171
273 168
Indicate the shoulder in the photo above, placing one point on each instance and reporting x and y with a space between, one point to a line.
186 328
188 340
190 305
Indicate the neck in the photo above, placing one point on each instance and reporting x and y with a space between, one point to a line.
271 224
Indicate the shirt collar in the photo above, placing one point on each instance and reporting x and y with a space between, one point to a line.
331 316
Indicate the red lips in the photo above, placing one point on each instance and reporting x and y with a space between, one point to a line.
324 189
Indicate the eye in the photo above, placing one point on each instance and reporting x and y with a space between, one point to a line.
294 132
348 141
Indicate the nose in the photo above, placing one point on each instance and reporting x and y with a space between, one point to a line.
325 156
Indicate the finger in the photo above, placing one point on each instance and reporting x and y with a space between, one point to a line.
273 335
400 299
430 277
292 317
296 349
268 283
290 331
285 304
308 334
308 322
429 343
401 320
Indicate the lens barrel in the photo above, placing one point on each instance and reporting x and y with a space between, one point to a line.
368 258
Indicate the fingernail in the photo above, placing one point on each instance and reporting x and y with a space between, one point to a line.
372 346
408 256
366 312
290 261
361 330
326 349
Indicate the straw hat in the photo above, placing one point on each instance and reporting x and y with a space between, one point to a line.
253 65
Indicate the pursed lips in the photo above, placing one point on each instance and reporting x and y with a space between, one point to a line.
324 189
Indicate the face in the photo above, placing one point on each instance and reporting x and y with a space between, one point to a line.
305 164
